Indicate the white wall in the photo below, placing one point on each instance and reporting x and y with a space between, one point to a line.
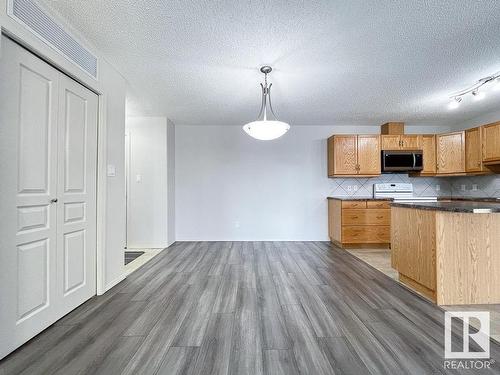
232 187
147 197
170 182
115 189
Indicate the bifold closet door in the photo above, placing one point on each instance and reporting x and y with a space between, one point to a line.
76 194
48 127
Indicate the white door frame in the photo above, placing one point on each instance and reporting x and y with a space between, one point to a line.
101 154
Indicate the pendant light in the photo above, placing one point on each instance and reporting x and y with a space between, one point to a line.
267 126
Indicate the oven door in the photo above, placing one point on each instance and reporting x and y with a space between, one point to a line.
402 161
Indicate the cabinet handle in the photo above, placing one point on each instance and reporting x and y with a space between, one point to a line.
354 217
380 217
54 200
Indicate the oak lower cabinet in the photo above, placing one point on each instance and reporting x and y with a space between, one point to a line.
353 155
450 150
447 256
491 143
359 222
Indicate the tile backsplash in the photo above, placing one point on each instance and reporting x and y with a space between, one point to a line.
470 186
475 186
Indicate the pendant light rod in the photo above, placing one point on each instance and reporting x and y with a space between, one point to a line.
266 96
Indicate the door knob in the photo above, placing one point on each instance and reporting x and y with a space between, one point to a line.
53 200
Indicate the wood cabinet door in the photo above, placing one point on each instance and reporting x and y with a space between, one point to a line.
491 142
473 150
345 155
330 156
411 142
451 153
391 142
429 153
369 155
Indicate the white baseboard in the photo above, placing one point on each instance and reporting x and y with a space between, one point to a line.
113 283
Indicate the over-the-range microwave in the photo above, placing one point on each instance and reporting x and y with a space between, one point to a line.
402 161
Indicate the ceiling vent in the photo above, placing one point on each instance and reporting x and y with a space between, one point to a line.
33 17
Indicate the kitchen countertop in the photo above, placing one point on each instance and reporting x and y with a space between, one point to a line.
454 206
468 199
455 199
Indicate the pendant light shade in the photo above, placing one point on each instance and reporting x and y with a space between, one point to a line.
266 130
267 126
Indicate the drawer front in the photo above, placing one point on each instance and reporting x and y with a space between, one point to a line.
379 204
353 204
372 216
366 234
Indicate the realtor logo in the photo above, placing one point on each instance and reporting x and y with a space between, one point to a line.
480 340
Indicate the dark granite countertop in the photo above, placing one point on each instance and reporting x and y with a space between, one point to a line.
469 199
454 206
440 199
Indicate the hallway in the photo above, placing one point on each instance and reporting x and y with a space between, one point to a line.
245 308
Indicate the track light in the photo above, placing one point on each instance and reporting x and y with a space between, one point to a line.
455 103
474 89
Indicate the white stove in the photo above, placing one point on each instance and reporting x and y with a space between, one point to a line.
400 192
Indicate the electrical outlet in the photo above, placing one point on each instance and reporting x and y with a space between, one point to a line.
462 187
236 224
355 187
438 187
474 187
349 187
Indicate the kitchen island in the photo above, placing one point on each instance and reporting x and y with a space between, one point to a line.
448 251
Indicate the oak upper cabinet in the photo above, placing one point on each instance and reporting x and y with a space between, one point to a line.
401 142
450 153
411 142
369 155
491 143
351 155
342 155
428 142
473 150
390 142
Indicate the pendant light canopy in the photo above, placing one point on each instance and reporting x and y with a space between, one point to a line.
267 126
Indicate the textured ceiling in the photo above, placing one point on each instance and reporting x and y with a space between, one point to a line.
336 62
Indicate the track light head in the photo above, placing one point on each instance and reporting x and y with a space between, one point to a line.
455 102
478 95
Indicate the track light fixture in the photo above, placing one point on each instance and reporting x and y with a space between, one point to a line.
455 102
477 94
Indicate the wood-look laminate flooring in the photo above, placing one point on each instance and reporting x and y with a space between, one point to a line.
247 308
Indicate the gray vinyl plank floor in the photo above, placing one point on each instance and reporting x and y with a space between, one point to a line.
236 308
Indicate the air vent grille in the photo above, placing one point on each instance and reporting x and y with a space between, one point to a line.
32 16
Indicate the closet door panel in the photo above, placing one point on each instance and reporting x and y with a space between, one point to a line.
76 219
28 157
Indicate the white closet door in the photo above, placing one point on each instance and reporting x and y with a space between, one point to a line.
46 247
28 153
76 213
